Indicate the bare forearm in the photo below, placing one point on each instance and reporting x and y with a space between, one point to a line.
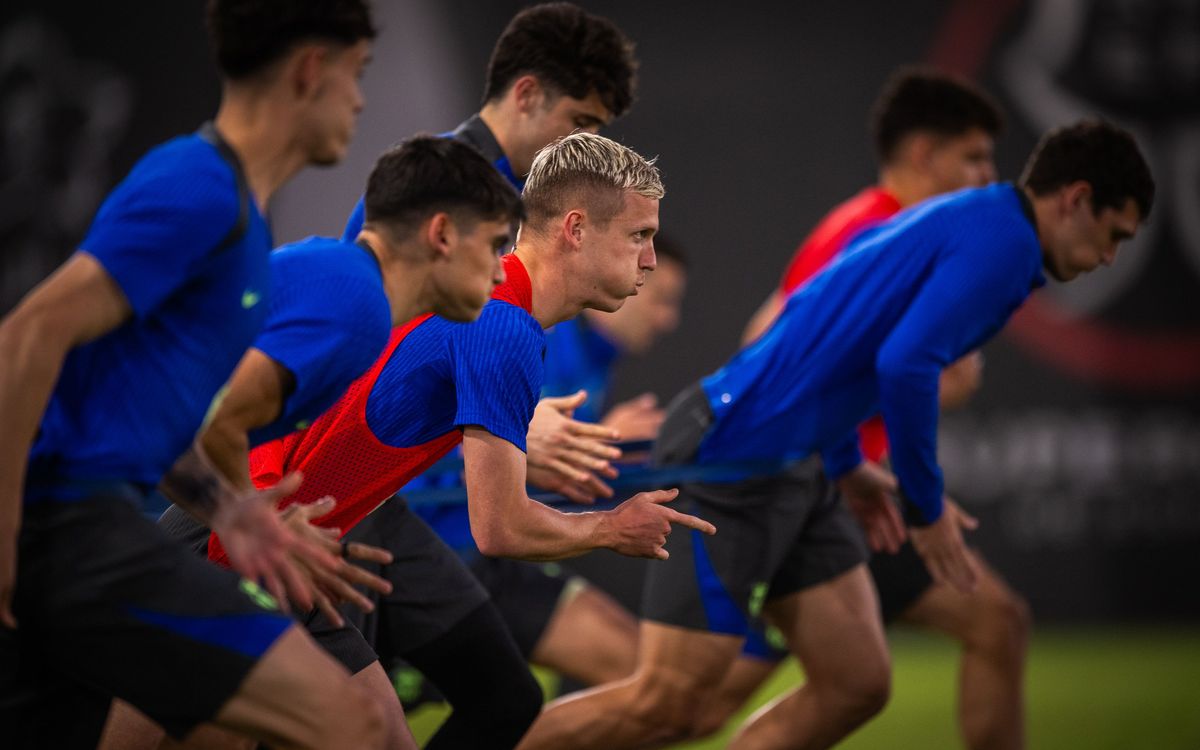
530 530
227 447
32 360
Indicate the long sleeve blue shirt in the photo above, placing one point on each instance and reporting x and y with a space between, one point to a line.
872 333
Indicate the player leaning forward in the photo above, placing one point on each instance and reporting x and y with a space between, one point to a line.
869 335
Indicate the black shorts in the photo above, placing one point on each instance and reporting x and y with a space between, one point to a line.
432 589
108 606
775 536
901 579
527 595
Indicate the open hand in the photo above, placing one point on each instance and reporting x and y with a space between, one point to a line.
574 451
941 546
869 492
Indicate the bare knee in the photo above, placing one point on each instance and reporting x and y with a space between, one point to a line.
359 720
856 695
670 707
1001 626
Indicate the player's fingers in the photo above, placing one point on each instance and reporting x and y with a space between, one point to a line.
317 508
342 591
691 522
276 589
661 554
359 577
296 581
592 431
967 521
566 471
360 551
661 496
575 492
326 608
286 486
597 487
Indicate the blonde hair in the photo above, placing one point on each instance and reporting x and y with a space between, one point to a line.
589 171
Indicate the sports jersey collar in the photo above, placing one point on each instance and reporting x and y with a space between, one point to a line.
362 244
517 289
882 197
475 132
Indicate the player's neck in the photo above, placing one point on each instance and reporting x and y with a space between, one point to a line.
552 299
253 126
405 280
500 120
905 185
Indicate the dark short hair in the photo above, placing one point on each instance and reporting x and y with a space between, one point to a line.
1099 153
248 35
666 247
921 99
570 51
427 174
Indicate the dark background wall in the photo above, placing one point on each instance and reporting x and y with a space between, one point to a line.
1081 455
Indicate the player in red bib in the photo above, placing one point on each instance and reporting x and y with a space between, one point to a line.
592 209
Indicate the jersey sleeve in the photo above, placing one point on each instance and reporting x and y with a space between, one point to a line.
354 224
498 372
326 331
842 457
966 297
165 217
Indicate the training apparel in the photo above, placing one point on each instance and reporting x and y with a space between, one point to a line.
872 333
328 321
434 378
188 248
870 207
473 132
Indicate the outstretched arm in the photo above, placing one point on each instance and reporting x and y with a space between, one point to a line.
507 523
78 303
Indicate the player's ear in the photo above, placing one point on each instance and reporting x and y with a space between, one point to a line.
527 93
1077 195
305 67
574 225
441 234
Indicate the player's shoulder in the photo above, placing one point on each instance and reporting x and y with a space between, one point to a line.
186 173
334 279
504 329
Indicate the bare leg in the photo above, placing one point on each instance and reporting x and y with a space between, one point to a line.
835 631
590 638
677 669
992 624
297 696
375 681
745 676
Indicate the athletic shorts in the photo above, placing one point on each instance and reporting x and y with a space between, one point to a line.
108 606
527 595
775 536
901 579
432 589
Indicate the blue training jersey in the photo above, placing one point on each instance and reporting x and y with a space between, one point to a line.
872 333
327 323
474 132
578 356
185 243
445 375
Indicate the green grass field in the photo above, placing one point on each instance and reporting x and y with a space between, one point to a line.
1110 689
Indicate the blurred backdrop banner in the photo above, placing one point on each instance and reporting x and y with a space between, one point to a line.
1081 454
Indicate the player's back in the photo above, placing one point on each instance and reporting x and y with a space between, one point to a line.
328 321
812 376
182 238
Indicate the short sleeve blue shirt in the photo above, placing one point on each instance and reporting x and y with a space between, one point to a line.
327 323
187 246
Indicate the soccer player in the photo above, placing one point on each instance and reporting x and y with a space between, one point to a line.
556 69
438 216
592 210
110 366
560 621
870 334
933 134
